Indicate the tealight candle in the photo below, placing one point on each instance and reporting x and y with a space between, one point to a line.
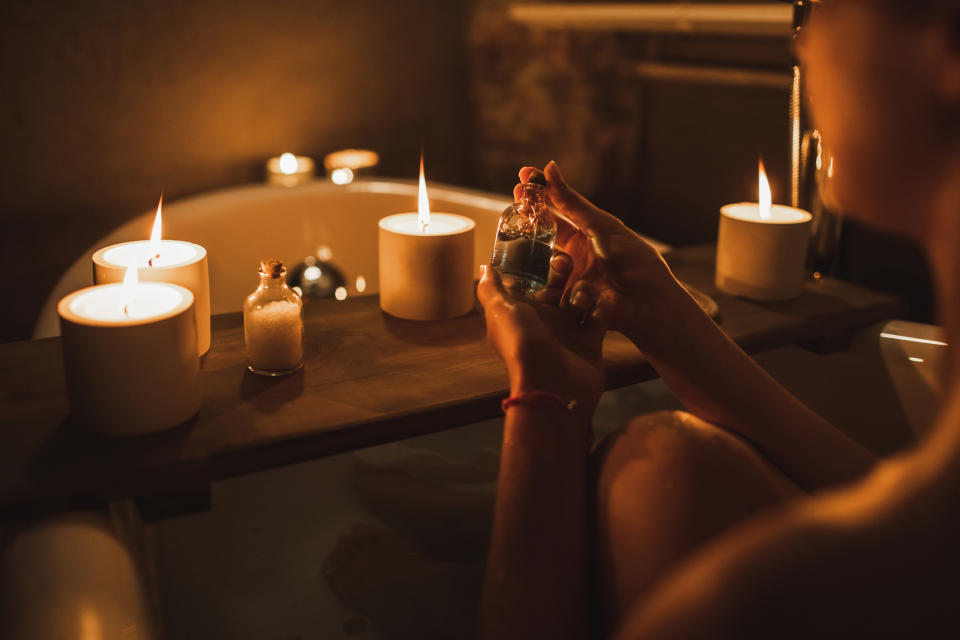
762 248
288 170
426 262
158 260
130 355
346 165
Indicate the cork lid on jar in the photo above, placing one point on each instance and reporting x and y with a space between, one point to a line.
272 267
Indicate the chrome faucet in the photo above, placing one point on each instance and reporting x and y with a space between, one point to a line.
811 168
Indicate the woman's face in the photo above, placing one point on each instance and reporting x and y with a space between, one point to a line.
872 84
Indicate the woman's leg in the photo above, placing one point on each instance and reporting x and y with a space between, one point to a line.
665 484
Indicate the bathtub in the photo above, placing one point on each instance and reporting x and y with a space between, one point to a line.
239 226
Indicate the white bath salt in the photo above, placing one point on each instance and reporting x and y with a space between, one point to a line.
274 336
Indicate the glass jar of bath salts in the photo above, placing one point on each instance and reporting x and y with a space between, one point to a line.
273 323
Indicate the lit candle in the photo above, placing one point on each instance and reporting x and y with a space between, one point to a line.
288 170
130 355
346 165
762 247
159 260
426 262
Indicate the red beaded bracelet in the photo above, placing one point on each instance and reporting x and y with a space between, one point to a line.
538 398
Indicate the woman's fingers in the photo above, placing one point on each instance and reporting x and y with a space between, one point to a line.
490 290
591 310
526 173
561 266
597 320
581 298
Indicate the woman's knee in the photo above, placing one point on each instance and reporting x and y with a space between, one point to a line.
679 454
674 441
668 482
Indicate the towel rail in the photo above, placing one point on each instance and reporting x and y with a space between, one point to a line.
728 76
766 20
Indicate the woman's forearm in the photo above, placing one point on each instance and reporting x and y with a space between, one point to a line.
716 380
535 583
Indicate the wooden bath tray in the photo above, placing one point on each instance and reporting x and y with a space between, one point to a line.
368 379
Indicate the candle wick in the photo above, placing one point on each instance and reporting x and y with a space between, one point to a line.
150 261
423 227
125 312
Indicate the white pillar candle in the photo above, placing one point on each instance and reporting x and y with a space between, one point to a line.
182 263
762 248
288 170
130 356
157 260
426 263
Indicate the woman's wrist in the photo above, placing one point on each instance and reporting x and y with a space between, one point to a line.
656 320
554 380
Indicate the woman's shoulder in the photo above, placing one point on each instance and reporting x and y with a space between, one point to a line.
877 557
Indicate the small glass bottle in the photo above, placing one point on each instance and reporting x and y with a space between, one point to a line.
525 238
273 323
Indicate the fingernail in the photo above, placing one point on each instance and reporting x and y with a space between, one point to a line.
483 271
556 169
578 298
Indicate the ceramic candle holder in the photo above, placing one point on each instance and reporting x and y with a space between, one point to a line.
130 373
184 263
762 258
426 275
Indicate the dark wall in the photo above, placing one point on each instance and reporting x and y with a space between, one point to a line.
662 154
106 104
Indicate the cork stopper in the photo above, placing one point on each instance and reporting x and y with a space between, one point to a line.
272 267
538 178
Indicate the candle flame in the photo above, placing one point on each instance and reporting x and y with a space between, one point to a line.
128 288
423 203
156 234
766 199
288 164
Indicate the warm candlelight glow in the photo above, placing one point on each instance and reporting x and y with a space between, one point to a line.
130 278
341 176
288 164
423 204
766 199
425 262
156 235
762 247
128 288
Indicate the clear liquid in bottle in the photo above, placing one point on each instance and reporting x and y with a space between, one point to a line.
525 239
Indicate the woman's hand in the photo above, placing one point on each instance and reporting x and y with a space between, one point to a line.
544 347
610 261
